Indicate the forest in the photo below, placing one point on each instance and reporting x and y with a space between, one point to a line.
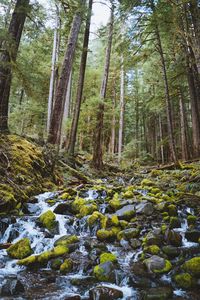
100 149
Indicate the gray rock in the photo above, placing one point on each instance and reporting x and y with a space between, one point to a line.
145 208
158 293
154 263
192 235
105 293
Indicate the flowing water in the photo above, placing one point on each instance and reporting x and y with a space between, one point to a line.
48 284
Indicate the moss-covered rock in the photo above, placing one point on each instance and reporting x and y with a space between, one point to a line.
104 257
129 233
95 217
56 263
48 220
20 250
107 235
128 194
115 202
105 272
66 240
174 222
158 264
153 249
67 266
184 280
192 266
87 209
191 220
172 210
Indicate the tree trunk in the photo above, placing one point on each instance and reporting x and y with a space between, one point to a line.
122 104
98 134
167 94
74 126
183 123
53 68
59 103
9 56
161 140
112 141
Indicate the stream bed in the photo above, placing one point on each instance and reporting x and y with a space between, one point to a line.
128 278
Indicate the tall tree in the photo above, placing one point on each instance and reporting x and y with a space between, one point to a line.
60 95
74 126
8 57
98 134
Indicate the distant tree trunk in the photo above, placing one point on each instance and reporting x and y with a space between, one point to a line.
112 140
98 134
122 105
167 94
74 126
53 67
59 103
183 123
8 56
161 141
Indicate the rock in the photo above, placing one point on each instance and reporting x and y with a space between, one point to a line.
72 297
135 243
84 281
56 263
20 250
105 293
157 264
192 266
153 238
5 246
173 238
105 272
145 208
30 208
183 280
4 224
63 209
174 223
48 220
11 287
126 213
171 251
67 266
104 257
193 235
66 240
138 268
172 210
128 234
158 293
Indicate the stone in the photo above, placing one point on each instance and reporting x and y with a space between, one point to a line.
171 251
105 272
153 238
11 287
158 293
157 264
192 266
20 250
193 235
173 238
145 208
126 213
63 209
105 293
128 234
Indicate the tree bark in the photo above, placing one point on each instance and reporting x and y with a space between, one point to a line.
59 103
98 134
122 106
53 67
9 56
74 126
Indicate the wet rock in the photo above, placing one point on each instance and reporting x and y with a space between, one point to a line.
154 238
126 213
13 234
171 251
135 243
145 208
128 234
105 272
72 297
158 293
157 264
192 266
5 246
20 250
12 286
4 224
48 221
30 208
193 235
138 268
84 281
63 209
173 238
105 293
184 280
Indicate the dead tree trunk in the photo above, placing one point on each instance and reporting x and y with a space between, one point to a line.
122 104
8 56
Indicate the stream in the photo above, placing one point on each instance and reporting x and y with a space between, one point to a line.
19 282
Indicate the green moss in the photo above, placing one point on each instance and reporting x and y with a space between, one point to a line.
65 196
48 220
20 250
104 257
155 191
56 263
166 269
192 266
155 173
128 194
67 266
66 240
87 209
99 273
191 220
147 182
163 228
174 222
153 249
78 203
105 235
95 217
184 280
123 224
172 210
8 201
115 202
28 261
114 220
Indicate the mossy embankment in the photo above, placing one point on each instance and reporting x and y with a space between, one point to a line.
25 170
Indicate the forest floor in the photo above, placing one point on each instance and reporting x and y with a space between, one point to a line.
121 234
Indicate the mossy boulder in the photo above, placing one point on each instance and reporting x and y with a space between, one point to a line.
67 266
87 209
20 250
157 264
115 202
48 220
174 222
7 199
128 194
191 220
147 182
66 240
107 235
129 233
172 210
126 213
105 272
95 218
184 280
104 257
153 249
192 266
